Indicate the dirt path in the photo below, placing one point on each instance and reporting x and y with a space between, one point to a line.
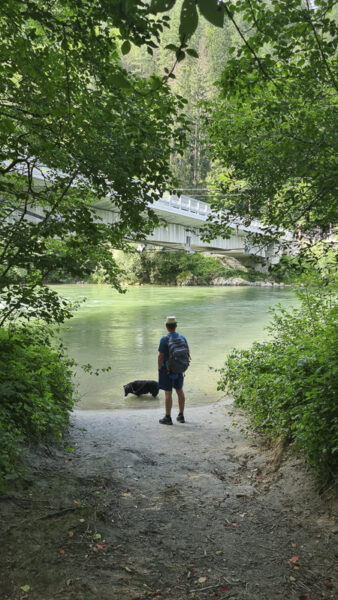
141 510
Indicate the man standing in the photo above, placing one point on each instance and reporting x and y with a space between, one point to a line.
167 379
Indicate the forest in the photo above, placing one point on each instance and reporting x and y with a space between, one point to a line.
234 103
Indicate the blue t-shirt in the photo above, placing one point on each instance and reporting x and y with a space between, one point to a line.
163 347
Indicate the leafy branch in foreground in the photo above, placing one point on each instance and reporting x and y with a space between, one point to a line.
274 126
75 128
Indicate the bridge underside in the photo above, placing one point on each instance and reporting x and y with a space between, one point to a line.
177 237
182 232
193 248
184 218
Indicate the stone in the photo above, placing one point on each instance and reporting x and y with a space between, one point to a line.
229 261
236 281
243 491
189 281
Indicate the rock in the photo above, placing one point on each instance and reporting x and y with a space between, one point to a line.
239 281
189 281
230 281
243 490
218 281
262 267
232 263
229 261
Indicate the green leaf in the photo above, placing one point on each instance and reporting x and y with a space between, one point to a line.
189 19
171 47
126 47
192 52
180 55
161 5
119 81
212 11
155 84
25 588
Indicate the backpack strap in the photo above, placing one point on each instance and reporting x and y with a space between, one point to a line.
181 336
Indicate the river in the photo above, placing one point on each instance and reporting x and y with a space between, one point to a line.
123 331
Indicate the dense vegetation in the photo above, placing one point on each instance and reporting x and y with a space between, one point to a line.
163 267
193 79
76 127
36 392
288 385
273 128
179 268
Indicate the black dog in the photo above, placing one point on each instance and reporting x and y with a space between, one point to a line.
141 387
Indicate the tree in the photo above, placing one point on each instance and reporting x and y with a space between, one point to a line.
74 120
275 125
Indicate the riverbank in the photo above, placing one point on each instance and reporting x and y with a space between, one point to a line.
179 268
218 282
238 281
140 510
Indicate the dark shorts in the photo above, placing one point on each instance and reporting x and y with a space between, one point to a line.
167 383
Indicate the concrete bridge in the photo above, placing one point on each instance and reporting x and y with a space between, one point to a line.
184 217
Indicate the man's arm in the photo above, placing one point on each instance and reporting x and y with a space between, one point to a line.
160 360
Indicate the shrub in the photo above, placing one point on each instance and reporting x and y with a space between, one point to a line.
288 385
36 392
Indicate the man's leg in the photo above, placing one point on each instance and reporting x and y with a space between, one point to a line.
168 402
181 400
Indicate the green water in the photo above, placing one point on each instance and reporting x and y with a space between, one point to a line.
124 331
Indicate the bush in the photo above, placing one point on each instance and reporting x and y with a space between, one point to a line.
288 385
172 268
36 392
163 268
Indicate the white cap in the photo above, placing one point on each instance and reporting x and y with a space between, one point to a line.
170 320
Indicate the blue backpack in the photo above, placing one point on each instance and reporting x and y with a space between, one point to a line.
179 356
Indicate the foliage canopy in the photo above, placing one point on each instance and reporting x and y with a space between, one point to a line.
274 128
76 127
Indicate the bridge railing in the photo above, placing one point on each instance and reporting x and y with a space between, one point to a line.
185 203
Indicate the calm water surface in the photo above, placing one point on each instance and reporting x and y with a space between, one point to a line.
124 331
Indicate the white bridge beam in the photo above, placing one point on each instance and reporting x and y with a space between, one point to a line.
184 217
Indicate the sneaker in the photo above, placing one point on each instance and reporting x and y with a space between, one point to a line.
166 420
180 418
